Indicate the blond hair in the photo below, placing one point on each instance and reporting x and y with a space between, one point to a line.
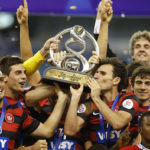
136 36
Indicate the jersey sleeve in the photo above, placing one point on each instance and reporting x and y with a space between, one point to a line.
84 110
129 103
29 124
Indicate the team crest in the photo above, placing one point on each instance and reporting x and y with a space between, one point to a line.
9 118
128 104
81 108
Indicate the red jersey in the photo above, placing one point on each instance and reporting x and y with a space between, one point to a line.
15 122
90 113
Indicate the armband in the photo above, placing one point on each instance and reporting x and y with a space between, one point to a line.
32 64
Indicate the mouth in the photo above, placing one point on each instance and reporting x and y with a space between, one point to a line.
1 91
22 84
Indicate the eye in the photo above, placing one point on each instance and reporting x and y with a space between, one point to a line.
148 83
137 46
17 72
147 46
103 73
138 82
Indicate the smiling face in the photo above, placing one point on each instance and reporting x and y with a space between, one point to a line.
142 88
17 78
2 85
141 50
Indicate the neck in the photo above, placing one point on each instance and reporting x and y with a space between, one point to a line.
145 103
1 103
129 89
109 96
11 93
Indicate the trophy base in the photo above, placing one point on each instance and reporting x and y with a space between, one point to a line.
65 78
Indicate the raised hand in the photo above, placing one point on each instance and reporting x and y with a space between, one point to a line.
58 57
105 10
49 43
94 59
76 92
62 96
22 13
95 88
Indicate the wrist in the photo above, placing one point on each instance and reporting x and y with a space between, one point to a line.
43 53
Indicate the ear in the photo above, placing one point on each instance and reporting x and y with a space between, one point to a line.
139 129
6 79
116 80
129 80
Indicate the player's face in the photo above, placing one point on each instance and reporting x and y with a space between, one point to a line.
17 78
104 76
142 88
145 129
2 85
142 50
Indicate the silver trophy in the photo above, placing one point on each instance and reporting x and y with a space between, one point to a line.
74 66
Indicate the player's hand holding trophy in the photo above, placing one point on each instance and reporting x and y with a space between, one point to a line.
73 67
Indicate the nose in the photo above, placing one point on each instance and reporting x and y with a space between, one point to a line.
24 76
143 86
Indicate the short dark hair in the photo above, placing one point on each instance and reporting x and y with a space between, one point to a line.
145 114
8 61
132 66
119 70
141 71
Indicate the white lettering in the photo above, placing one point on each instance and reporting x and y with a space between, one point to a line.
3 143
114 134
101 135
65 145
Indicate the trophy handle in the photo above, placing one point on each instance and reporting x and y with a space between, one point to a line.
80 39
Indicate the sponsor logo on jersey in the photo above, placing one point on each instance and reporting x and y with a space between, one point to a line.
9 118
81 108
128 104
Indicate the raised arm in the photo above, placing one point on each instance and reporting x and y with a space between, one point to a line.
41 92
47 129
104 14
117 120
72 127
25 44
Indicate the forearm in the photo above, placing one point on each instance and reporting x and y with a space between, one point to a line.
54 119
25 44
71 125
115 119
24 148
41 92
103 40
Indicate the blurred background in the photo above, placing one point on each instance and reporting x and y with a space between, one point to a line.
48 17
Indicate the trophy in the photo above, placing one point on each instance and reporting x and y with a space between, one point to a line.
74 66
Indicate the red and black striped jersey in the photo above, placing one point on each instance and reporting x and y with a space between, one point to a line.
89 112
16 121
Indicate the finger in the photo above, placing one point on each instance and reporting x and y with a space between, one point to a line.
57 86
49 60
54 55
61 55
25 4
94 53
89 83
57 57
